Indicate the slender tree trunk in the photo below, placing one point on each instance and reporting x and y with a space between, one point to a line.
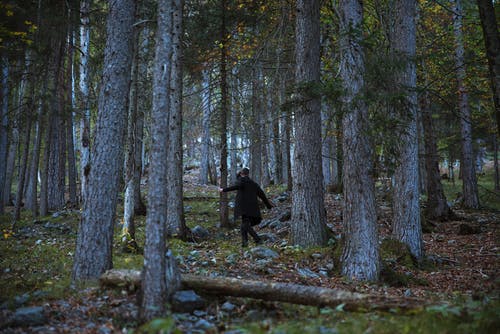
154 281
223 207
31 192
70 143
492 41
205 141
11 157
22 171
255 128
360 256
128 240
85 96
495 162
4 123
176 223
308 225
327 152
437 205
44 206
406 226
56 167
94 243
469 181
233 155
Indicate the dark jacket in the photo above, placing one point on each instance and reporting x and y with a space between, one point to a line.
246 197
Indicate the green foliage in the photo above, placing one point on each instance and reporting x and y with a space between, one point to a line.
489 198
159 326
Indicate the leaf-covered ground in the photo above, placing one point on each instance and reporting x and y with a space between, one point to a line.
456 286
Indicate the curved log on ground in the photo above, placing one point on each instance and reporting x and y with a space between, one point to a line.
272 291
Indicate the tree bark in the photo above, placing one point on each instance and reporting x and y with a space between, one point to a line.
176 223
70 143
84 96
56 166
4 123
469 181
31 191
437 206
360 256
492 42
154 285
495 163
128 240
223 206
308 225
271 291
22 171
205 141
406 226
94 243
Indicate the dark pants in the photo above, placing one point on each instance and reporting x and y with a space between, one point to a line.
246 229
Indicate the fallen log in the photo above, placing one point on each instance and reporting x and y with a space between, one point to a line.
271 291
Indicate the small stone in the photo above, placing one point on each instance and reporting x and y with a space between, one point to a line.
200 233
29 316
317 256
204 325
264 253
187 301
228 307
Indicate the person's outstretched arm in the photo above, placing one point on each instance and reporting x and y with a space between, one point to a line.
264 198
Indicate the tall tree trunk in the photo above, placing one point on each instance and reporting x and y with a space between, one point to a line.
492 42
85 96
437 205
495 163
154 282
308 225
4 124
176 223
128 240
11 156
223 207
31 191
360 256
205 141
406 225
44 206
22 170
327 152
469 181
70 143
255 128
94 243
56 167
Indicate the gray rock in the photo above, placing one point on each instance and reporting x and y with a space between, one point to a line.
200 233
204 325
186 301
308 273
29 316
317 256
231 258
263 253
21 300
228 307
282 197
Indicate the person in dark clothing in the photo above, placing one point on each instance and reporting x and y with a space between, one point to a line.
247 205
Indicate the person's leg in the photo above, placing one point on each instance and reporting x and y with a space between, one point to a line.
245 226
252 232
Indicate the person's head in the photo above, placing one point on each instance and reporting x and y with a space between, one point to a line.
244 171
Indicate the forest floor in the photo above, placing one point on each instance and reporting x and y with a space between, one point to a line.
456 287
